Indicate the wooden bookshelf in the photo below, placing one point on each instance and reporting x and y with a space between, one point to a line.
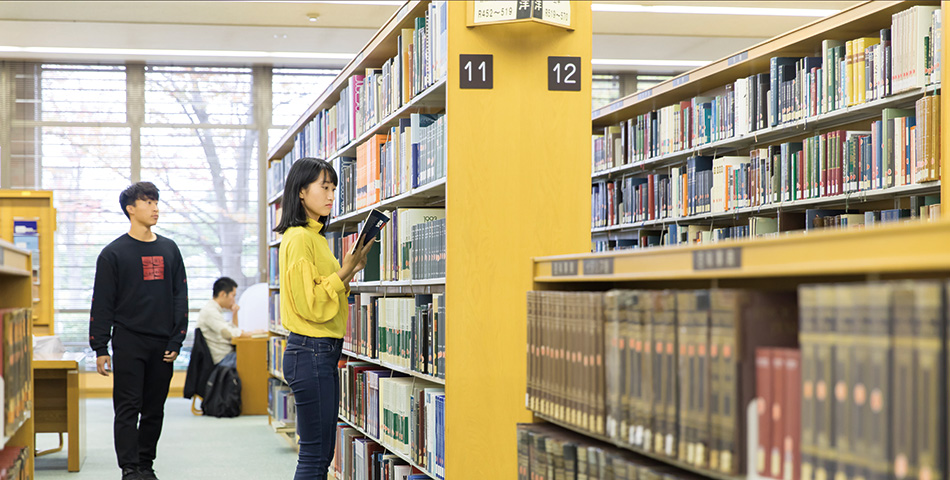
34 205
530 153
857 21
16 287
847 24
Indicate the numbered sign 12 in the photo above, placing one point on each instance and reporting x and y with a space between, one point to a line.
564 73
475 71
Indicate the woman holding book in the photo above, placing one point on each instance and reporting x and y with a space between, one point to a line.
313 307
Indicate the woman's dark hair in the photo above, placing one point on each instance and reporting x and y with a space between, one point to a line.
303 172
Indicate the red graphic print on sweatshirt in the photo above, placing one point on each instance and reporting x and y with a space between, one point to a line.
153 268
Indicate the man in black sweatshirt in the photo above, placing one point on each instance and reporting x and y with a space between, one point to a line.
140 302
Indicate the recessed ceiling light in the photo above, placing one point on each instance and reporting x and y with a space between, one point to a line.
704 10
177 53
312 17
648 63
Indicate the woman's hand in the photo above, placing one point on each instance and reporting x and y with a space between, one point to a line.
354 261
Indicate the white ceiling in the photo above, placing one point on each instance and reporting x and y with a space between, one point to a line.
281 33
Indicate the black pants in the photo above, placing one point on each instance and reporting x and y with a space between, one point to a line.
140 387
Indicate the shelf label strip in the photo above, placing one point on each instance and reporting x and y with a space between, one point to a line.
717 259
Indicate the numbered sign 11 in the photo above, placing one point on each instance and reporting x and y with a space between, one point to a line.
475 71
564 73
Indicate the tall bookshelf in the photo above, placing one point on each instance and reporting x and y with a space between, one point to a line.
16 285
714 88
28 218
509 191
853 258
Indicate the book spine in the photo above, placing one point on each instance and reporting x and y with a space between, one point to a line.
792 415
763 385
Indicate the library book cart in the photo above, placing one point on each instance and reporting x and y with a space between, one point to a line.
766 297
467 124
16 302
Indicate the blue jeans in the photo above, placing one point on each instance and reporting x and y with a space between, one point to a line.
310 367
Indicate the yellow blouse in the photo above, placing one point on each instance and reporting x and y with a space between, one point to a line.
313 298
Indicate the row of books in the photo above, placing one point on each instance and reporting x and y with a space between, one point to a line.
275 355
273 269
277 174
398 248
368 98
924 208
410 155
13 464
547 452
405 414
274 212
273 313
874 380
280 402
357 457
428 252
845 74
403 332
677 370
17 368
897 151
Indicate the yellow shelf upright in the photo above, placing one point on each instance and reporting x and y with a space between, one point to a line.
518 170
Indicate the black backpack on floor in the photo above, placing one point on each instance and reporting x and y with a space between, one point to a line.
223 393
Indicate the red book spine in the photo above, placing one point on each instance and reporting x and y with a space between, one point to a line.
778 411
763 392
793 413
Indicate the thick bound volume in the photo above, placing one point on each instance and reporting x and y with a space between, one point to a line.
877 409
692 310
374 223
548 452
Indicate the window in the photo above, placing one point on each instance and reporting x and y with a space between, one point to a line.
86 131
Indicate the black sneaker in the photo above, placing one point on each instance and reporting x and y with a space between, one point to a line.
131 473
146 473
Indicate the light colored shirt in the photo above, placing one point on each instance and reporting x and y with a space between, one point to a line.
217 331
313 300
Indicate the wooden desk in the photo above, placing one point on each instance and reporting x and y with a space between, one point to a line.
57 407
252 367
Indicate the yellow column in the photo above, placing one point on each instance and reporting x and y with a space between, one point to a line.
518 186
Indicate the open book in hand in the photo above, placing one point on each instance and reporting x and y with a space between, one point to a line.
375 222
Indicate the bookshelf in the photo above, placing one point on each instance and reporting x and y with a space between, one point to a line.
23 209
678 106
17 286
517 137
909 255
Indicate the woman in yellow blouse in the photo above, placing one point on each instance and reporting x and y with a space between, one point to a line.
313 307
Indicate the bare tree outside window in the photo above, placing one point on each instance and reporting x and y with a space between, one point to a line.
198 140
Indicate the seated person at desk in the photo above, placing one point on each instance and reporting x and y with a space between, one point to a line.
218 332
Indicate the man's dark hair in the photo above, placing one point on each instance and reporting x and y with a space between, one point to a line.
137 191
223 284
303 172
